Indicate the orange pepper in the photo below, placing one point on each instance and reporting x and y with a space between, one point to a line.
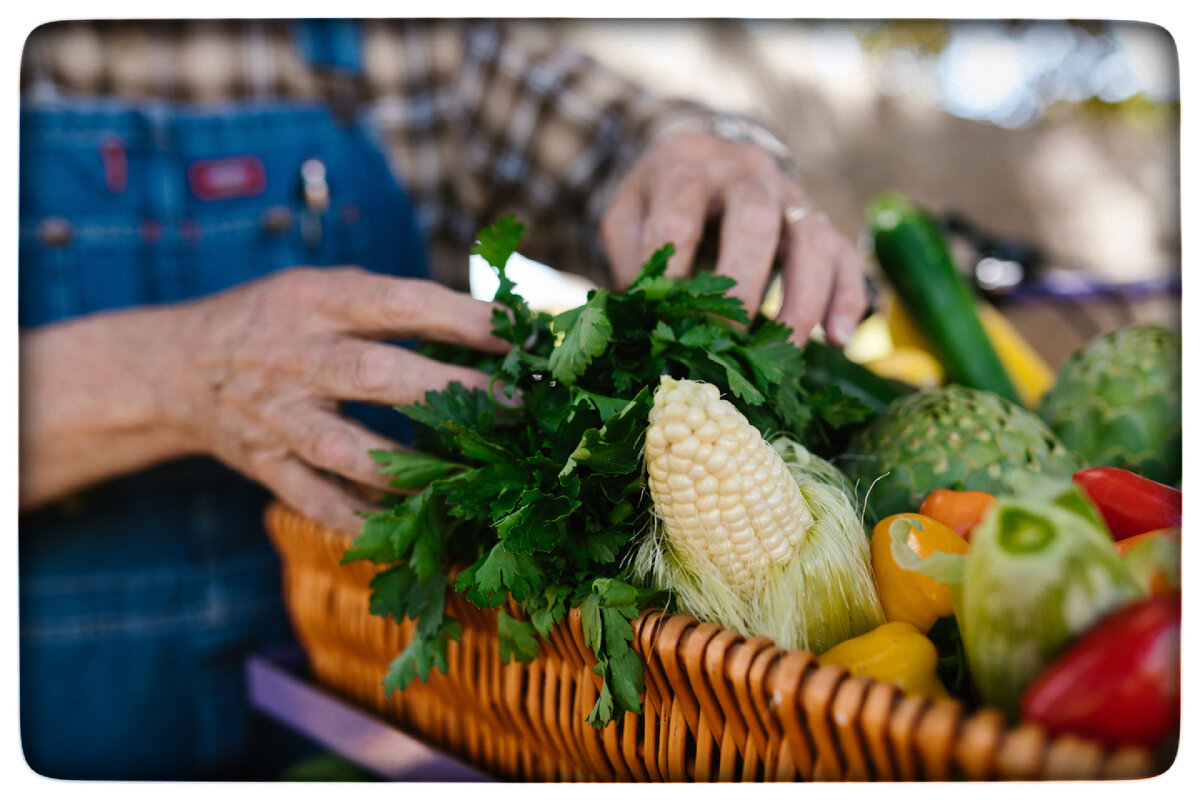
960 510
1154 559
907 596
1125 545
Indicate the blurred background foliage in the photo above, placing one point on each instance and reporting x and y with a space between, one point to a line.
1012 73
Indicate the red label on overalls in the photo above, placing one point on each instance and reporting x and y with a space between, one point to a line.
116 165
226 178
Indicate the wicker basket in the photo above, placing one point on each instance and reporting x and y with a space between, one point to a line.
717 707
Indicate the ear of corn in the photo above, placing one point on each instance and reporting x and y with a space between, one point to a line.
761 538
720 488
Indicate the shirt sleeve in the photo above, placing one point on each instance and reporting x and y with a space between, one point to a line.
486 118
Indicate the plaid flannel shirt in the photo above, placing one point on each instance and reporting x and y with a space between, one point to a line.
480 117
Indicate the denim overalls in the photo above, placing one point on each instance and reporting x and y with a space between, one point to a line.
141 598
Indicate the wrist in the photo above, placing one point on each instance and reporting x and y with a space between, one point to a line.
191 368
171 376
96 400
732 128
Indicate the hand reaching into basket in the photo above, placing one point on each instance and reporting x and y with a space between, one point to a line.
687 177
253 376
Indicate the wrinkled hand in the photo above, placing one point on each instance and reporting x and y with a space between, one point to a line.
685 178
271 362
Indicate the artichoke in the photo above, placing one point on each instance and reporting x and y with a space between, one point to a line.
1116 402
950 437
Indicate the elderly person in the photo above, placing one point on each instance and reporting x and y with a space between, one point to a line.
226 229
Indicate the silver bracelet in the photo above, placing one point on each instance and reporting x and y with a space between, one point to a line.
737 128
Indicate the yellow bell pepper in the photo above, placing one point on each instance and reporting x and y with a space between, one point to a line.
872 346
895 652
908 596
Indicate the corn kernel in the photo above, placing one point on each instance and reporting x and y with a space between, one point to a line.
718 486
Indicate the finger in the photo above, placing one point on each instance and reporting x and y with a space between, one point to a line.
676 212
372 372
848 302
621 232
337 445
750 231
808 275
314 495
381 305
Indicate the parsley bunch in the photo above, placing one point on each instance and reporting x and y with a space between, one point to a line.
542 502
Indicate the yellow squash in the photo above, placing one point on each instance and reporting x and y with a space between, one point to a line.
1031 375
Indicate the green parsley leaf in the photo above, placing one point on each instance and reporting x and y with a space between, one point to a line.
602 712
499 241
605 615
592 621
617 595
838 408
702 337
770 354
420 658
453 409
586 336
390 591
605 405
497 573
653 271
493 490
412 469
627 676
738 384
374 542
517 639
391 534
616 448
551 611
534 526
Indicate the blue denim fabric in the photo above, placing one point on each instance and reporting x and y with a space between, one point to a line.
141 598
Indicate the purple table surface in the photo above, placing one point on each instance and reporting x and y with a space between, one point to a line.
280 687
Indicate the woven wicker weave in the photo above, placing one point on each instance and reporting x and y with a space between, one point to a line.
718 706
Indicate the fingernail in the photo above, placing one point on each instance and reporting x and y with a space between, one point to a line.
842 328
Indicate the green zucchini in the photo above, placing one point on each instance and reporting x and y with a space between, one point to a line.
914 257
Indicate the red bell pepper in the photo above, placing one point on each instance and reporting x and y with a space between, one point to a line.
1129 503
1119 682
